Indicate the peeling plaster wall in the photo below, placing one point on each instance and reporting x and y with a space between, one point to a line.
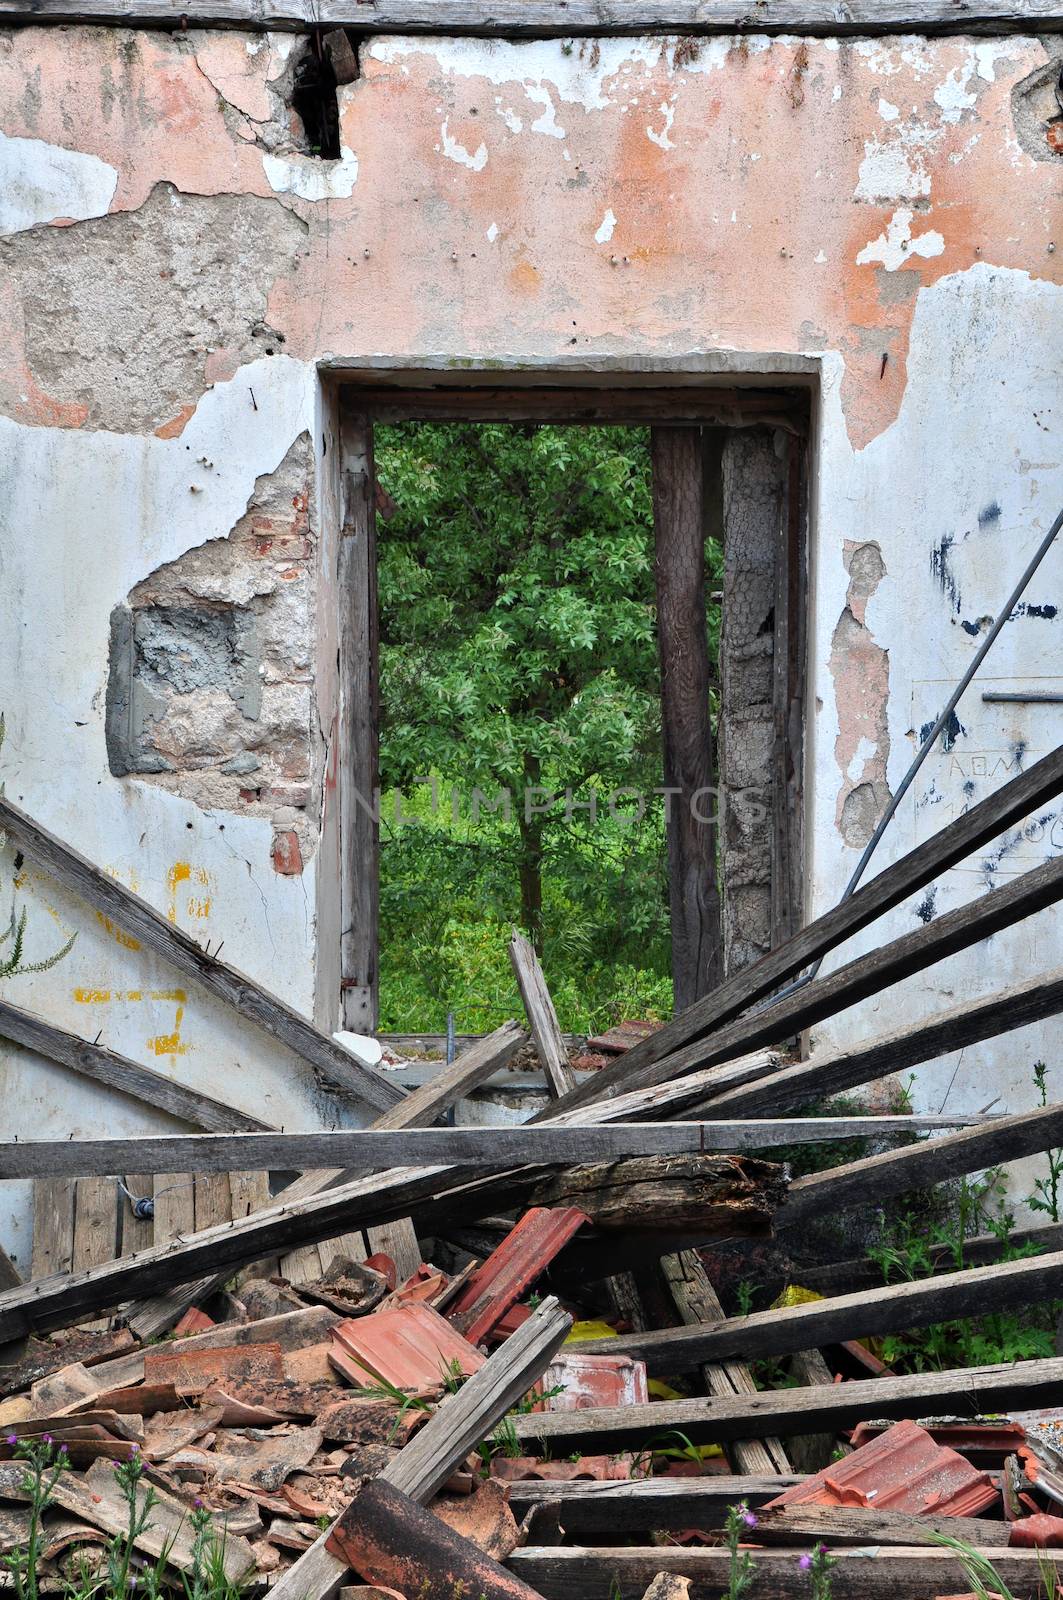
173 267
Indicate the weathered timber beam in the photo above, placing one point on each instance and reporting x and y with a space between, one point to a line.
876 1178
128 1077
636 1504
335 1065
632 1504
867 975
564 18
1040 783
978 1292
615 1573
962 1025
689 1286
968 1391
542 1018
376 1149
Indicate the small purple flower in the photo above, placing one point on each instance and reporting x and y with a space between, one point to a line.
821 1549
197 1502
805 1562
749 1519
12 1438
63 1451
134 1449
46 1438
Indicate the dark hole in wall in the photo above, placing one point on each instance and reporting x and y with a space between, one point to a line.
314 101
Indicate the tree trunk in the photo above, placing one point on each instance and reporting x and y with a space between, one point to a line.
679 511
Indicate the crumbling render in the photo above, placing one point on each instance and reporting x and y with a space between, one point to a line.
191 274
210 682
861 673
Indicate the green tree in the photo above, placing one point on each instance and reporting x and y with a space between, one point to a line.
518 654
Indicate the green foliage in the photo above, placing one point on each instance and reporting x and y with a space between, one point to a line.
741 1568
519 658
818 1564
911 1250
1046 1195
123 1571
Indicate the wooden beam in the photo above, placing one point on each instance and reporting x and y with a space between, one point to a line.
679 469
895 1171
690 1287
636 1504
466 1072
564 18
968 1391
542 1018
615 1573
373 1149
978 1292
632 1504
335 1065
465 1418
770 1091
117 1072
358 739
867 975
1040 783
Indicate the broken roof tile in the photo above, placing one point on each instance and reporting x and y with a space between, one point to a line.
901 1470
522 1257
409 1346
587 1382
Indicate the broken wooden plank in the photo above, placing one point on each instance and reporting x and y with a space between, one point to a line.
978 1292
696 1300
106 1067
967 1391
95 1223
336 1066
467 1417
49 1302
710 1195
983 822
53 1227
895 1171
542 1018
776 1090
465 1073
865 976
615 1573
511 19
376 1150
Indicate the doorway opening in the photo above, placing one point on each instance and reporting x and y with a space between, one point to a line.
570 661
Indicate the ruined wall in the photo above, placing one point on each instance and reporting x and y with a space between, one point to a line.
882 216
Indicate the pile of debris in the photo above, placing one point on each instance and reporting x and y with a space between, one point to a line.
490 1362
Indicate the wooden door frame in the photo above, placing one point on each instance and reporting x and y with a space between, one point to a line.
623 395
